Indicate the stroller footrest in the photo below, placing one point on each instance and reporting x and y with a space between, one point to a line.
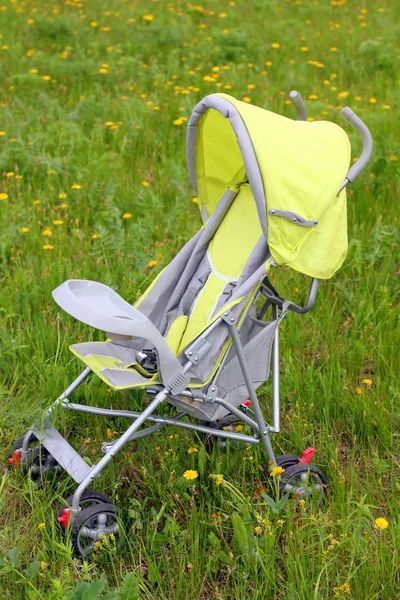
63 452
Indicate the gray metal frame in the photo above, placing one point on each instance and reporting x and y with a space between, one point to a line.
84 475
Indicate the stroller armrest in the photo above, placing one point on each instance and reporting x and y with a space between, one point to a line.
99 306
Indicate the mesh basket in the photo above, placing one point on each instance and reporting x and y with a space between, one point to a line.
230 381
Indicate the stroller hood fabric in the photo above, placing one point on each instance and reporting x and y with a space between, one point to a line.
294 169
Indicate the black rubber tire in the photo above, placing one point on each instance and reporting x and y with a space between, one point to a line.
40 466
292 475
88 519
285 461
17 444
88 498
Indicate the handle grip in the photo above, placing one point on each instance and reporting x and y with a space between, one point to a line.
299 105
354 171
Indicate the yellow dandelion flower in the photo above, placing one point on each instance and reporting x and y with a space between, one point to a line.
386 107
76 186
246 99
34 71
152 263
126 216
47 232
2 133
148 18
393 157
275 45
343 94
195 200
95 236
189 475
94 24
63 205
48 247
41 526
372 100
359 391
238 428
192 450
43 565
276 471
367 381
58 222
178 121
268 63
103 71
62 195
145 183
312 97
381 523
46 77
219 479
36 202
304 49
25 229
333 49
3 196
223 15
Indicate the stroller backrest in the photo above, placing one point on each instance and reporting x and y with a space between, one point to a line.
228 252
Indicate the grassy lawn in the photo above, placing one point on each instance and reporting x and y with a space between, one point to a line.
94 100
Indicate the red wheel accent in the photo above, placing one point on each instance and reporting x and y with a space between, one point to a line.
15 458
307 456
65 517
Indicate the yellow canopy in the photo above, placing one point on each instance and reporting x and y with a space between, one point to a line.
294 168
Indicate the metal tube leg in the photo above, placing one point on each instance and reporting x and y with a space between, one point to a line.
69 391
96 470
263 428
275 376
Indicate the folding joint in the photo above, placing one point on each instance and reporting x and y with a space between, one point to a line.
198 350
212 393
293 217
178 383
229 318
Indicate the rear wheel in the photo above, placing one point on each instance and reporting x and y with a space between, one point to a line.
304 482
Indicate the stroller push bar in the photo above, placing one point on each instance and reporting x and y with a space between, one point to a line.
299 105
354 171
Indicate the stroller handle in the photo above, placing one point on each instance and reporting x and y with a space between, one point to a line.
354 171
299 105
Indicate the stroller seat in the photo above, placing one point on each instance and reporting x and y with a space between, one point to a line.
119 362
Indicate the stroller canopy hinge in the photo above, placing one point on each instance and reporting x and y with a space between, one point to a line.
293 217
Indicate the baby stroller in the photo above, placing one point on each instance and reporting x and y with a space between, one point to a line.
271 192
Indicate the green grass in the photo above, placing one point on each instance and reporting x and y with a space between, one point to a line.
113 134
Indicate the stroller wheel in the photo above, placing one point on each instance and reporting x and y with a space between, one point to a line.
93 527
285 461
228 423
88 498
304 482
38 463
41 466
